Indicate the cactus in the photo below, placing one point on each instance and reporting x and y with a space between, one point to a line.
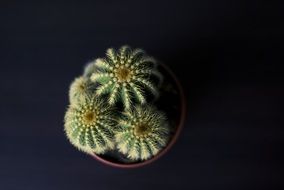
142 133
89 125
135 132
89 69
79 89
125 76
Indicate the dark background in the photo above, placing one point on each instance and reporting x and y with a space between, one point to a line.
226 53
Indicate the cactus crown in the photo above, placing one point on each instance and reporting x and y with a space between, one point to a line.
138 131
125 76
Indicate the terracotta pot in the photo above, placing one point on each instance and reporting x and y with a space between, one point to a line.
178 128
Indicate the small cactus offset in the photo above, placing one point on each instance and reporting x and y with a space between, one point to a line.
142 133
89 69
79 89
125 76
89 125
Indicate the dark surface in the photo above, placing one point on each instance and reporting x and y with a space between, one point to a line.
226 53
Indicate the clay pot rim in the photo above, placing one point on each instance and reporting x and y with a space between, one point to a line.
172 141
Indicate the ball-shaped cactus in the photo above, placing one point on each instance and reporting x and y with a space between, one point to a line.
89 69
89 125
79 89
126 76
142 133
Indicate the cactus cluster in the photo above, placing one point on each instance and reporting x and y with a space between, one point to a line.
94 123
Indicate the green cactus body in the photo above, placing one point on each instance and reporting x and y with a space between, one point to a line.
135 132
142 133
125 76
79 89
89 69
89 125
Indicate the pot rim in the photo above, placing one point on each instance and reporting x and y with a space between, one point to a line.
173 139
